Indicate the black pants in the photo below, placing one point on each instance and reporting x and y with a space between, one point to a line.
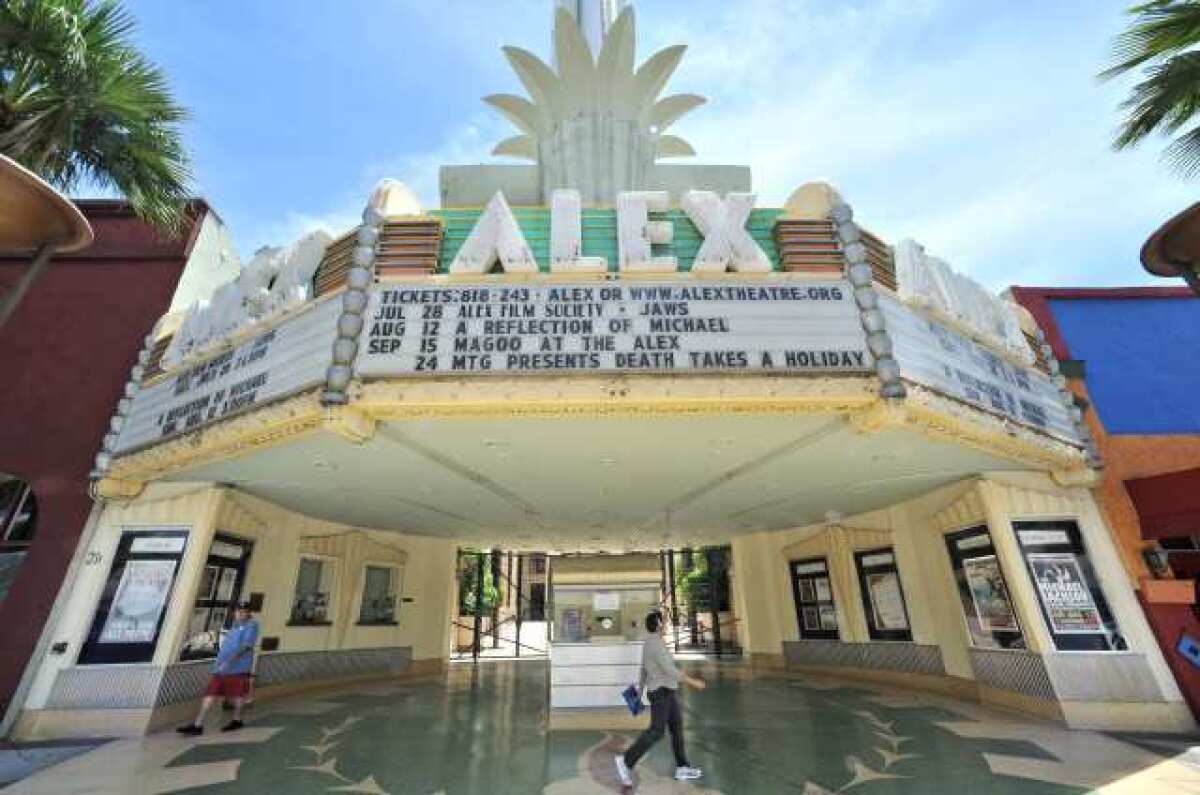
664 713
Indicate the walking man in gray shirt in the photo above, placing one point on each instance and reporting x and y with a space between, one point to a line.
660 678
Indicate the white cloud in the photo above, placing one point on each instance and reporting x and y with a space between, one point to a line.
981 133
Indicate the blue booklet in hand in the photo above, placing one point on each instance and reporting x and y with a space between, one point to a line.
633 700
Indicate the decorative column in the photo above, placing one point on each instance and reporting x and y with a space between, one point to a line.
861 277
1068 398
104 458
354 305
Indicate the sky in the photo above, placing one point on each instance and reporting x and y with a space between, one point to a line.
978 129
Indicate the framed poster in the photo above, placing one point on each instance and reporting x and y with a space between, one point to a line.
208 583
228 579
882 595
131 608
1065 596
988 612
812 593
812 618
1072 602
886 602
993 608
808 591
828 618
141 596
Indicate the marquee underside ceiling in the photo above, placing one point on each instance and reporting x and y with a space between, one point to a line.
609 483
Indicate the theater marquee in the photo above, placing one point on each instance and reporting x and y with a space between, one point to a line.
768 326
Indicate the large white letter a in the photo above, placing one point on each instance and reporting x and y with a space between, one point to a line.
496 237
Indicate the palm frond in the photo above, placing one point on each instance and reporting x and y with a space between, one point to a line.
79 101
1162 27
1164 102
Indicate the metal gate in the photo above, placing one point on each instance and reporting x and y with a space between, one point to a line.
502 609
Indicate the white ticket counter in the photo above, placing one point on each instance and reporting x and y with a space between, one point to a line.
586 675
596 648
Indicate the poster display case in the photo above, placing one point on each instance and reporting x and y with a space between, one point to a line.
220 589
987 606
812 590
882 595
1076 613
129 616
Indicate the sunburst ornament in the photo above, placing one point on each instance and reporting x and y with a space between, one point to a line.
596 125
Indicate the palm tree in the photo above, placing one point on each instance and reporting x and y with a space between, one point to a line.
80 105
1162 43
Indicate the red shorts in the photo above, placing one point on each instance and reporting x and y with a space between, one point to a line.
228 685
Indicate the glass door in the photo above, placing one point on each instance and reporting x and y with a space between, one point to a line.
218 595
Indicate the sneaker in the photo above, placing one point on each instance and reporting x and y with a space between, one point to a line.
190 729
688 773
232 726
623 771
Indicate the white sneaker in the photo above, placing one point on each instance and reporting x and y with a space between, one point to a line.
623 771
688 773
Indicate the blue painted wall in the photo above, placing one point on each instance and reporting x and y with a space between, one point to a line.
1142 357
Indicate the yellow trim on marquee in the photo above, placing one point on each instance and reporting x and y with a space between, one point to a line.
500 398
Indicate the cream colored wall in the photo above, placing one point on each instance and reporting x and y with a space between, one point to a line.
213 262
1019 496
279 536
916 529
193 508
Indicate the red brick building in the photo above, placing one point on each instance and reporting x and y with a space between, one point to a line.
66 354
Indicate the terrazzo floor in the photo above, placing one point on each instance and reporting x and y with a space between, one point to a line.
483 731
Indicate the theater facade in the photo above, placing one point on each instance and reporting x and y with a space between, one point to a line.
601 352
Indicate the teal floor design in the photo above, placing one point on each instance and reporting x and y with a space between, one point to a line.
483 731
487 736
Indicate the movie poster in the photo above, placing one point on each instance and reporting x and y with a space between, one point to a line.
992 605
887 603
812 619
1065 594
828 618
139 602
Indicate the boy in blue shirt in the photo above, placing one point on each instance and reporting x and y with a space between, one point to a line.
230 672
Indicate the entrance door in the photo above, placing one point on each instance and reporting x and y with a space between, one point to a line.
537 601
219 593
501 605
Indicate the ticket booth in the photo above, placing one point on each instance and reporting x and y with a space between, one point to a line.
600 604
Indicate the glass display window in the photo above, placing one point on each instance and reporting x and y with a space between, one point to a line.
987 607
882 595
133 604
812 590
1072 603
220 589
313 595
380 588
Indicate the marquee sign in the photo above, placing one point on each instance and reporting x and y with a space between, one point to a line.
288 358
786 326
948 362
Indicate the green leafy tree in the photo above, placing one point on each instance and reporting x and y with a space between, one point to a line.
467 591
693 586
80 104
1161 43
